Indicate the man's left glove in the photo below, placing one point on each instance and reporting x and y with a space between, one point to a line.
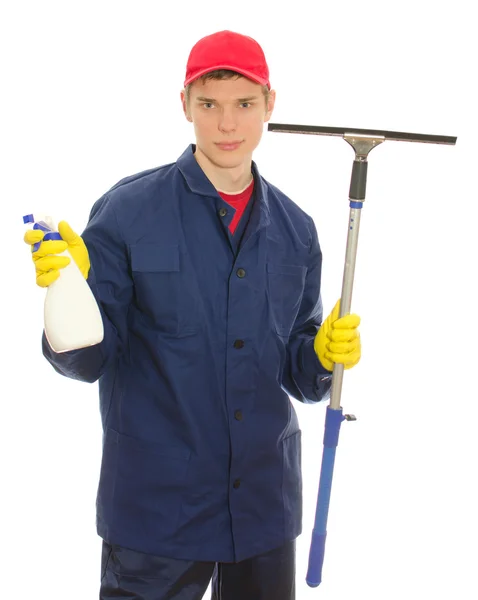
338 340
46 259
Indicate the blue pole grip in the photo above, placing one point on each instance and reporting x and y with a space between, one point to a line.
316 559
333 421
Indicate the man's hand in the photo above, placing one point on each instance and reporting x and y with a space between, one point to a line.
338 340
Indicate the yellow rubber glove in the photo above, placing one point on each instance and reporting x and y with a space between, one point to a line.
46 259
338 340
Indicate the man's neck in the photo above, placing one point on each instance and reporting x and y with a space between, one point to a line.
229 181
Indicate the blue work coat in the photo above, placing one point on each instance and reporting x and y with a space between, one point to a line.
205 340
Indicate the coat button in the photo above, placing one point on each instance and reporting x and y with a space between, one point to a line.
238 415
237 483
222 212
239 344
241 273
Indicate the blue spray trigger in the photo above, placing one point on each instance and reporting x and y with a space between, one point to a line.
52 235
41 223
49 236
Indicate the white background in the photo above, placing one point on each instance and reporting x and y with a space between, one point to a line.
91 95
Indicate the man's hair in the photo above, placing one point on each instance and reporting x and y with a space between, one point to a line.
221 74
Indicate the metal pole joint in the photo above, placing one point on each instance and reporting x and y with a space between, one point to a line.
363 144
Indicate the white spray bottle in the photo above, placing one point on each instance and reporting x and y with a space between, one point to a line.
71 315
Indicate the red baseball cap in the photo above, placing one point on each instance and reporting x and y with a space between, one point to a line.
228 50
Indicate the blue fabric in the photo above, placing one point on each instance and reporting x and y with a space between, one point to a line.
136 576
202 349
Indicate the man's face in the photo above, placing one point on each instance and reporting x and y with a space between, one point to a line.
225 111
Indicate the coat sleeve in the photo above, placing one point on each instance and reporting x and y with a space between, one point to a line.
304 378
110 281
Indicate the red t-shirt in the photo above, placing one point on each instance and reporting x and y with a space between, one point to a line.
239 202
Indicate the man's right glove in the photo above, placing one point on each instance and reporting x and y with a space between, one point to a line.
46 259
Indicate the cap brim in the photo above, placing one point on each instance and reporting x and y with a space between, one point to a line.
244 72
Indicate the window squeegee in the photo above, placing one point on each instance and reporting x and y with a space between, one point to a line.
362 142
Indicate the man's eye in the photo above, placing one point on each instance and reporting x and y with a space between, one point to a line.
208 104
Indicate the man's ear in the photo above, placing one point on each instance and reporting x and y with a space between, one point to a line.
270 105
185 108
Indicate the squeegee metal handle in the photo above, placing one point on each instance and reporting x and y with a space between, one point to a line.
346 296
362 145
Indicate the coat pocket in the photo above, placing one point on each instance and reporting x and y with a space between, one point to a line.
164 289
145 480
292 484
286 287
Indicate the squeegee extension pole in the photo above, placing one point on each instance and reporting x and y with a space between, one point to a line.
334 417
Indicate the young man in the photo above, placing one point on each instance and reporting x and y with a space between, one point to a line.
208 280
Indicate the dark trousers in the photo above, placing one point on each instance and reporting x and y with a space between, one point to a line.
132 575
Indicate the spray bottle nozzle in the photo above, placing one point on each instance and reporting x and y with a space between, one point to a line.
45 223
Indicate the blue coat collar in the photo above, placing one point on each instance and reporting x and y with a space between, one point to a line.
199 183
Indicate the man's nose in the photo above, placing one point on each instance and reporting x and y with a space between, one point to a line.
227 121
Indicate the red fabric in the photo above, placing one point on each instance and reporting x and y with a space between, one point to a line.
239 202
228 50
